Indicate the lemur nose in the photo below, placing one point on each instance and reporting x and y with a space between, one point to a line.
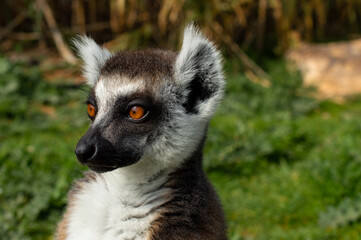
84 152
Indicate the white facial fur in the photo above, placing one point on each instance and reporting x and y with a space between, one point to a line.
183 133
109 88
185 68
94 58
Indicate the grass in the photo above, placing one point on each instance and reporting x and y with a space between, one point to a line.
286 166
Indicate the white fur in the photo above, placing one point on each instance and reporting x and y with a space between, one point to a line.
185 69
108 89
182 135
179 138
116 206
93 56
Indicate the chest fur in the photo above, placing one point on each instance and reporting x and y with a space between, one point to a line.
109 209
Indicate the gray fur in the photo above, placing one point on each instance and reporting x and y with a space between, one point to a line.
149 172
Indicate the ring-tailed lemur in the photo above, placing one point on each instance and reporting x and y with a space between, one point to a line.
149 114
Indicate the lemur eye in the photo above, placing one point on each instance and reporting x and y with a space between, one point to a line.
136 112
91 110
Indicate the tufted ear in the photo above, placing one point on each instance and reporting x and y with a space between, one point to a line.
198 69
93 56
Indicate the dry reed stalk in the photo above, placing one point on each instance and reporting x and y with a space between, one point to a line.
92 11
321 16
58 38
121 6
240 14
24 36
248 62
163 14
248 21
262 8
92 27
132 16
114 22
78 14
13 24
308 22
176 10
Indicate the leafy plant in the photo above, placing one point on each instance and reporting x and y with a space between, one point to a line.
36 156
261 121
348 211
18 86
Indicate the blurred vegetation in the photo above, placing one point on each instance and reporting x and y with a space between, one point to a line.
36 156
264 25
285 165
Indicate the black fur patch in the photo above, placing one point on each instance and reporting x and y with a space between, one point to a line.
194 210
201 87
96 152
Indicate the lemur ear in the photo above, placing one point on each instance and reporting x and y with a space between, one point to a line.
198 69
93 56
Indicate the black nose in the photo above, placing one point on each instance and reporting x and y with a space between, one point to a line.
85 151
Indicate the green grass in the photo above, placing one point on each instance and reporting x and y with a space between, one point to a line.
286 166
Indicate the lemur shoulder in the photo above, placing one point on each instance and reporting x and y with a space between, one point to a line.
149 114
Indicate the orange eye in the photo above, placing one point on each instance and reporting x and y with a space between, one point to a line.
91 110
136 112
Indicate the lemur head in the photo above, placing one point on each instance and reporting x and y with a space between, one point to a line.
150 105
